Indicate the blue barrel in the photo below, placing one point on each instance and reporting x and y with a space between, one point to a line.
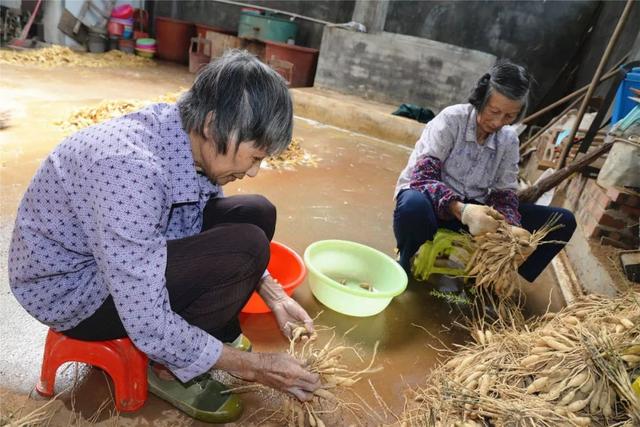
266 27
623 104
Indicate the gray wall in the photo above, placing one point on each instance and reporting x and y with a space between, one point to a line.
551 38
393 67
226 16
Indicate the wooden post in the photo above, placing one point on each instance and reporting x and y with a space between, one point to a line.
577 93
373 14
533 193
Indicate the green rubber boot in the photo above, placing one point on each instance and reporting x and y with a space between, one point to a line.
199 398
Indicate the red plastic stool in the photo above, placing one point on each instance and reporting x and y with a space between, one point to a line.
125 364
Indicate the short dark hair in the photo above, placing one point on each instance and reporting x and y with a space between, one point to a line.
507 78
248 99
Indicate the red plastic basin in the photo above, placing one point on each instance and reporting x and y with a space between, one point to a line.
287 267
124 11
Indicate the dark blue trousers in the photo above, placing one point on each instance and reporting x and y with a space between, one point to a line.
415 222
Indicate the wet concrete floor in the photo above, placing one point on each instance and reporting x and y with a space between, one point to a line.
347 196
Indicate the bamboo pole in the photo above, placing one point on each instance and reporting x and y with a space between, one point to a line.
612 72
553 121
596 77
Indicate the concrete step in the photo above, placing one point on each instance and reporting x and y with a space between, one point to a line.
355 114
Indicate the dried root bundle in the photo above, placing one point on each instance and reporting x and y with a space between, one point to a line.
570 368
496 257
336 376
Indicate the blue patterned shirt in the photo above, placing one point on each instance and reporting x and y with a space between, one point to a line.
95 221
471 170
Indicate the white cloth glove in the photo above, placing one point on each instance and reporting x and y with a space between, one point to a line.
480 219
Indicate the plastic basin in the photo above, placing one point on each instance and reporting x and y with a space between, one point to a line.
339 269
286 266
145 53
123 11
146 43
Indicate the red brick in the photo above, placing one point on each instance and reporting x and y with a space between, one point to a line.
624 198
618 244
603 218
633 213
615 236
630 213
590 229
615 194
603 199
633 201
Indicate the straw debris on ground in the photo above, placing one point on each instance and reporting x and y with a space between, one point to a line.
572 368
58 56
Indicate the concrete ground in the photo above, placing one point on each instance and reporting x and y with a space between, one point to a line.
347 196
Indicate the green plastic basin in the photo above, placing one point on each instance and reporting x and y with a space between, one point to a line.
341 273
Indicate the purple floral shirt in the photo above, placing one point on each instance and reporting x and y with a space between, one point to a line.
95 221
448 164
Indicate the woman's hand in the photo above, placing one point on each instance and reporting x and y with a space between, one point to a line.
279 371
480 219
288 312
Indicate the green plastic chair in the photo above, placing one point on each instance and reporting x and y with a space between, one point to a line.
442 245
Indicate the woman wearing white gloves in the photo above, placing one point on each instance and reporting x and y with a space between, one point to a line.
463 172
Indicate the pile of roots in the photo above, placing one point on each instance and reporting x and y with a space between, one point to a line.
575 367
56 56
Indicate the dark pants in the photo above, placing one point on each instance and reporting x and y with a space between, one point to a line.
415 222
209 276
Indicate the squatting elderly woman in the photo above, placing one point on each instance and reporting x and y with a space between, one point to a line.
463 173
124 232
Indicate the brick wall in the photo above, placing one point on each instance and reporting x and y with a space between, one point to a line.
605 214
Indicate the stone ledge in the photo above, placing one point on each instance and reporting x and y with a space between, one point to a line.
355 114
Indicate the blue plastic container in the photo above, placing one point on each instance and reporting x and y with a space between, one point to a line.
267 27
623 104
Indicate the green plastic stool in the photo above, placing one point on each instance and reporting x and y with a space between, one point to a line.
443 244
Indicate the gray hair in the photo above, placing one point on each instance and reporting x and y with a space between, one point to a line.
507 78
248 99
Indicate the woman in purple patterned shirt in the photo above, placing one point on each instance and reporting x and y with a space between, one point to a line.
124 231
463 173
